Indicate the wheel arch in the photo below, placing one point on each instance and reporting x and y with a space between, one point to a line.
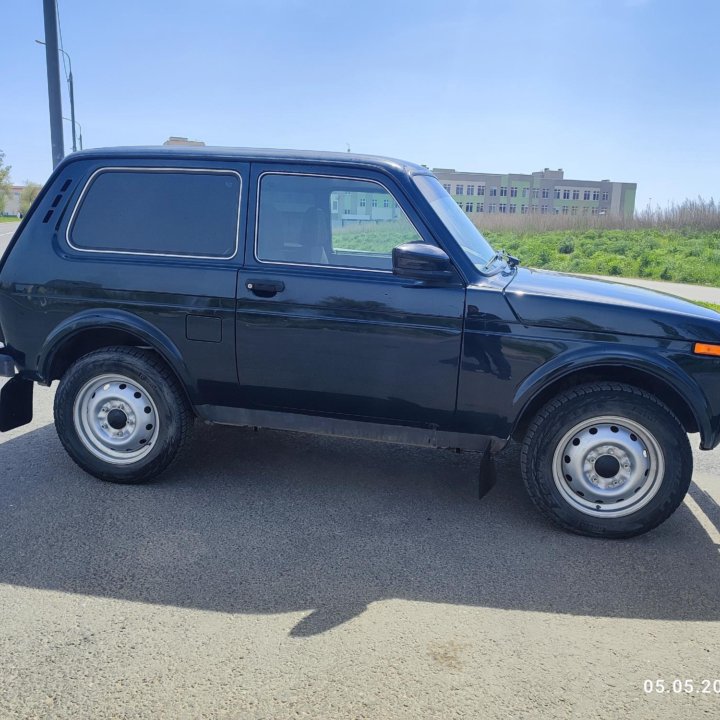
93 330
665 381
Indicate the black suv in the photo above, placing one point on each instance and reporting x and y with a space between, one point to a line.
347 295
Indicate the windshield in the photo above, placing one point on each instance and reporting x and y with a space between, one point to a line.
470 239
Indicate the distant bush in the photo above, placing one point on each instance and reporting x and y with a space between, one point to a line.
656 253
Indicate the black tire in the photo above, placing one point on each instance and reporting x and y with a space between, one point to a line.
552 432
170 410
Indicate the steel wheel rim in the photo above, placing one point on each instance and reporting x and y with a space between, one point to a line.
116 419
608 466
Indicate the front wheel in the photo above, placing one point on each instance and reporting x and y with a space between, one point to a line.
606 460
121 415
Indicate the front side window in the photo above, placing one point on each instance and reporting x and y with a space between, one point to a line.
157 212
458 189
470 189
299 222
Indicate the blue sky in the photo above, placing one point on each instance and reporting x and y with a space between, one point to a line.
621 89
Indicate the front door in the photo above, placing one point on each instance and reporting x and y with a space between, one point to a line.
323 326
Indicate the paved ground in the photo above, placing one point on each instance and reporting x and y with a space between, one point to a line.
6 232
280 576
691 292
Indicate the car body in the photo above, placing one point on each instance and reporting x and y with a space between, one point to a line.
264 322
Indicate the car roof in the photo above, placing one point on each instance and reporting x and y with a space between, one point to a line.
252 154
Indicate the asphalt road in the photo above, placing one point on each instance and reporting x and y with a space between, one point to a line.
275 575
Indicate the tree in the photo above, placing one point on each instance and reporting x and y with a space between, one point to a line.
28 194
4 181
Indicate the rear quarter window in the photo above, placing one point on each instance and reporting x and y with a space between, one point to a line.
177 212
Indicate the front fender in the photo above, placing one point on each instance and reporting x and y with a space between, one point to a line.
98 319
650 363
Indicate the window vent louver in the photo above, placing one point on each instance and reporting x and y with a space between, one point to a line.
57 200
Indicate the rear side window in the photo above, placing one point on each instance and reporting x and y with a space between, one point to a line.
157 212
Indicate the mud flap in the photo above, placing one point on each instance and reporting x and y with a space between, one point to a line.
16 403
488 473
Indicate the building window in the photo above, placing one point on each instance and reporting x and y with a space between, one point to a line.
481 207
543 210
535 193
564 209
470 190
523 209
576 195
374 202
566 194
513 192
386 202
493 191
513 209
606 195
573 210
546 193
458 189
556 211
503 191
534 209
525 192
492 207
346 211
363 202
503 207
596 195
557 193
594 211
585 210
481 189
459 202
447 186
586 195
468 207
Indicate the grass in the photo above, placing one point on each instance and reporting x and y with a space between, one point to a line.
680 255
712 306
680 243
380 238
4 218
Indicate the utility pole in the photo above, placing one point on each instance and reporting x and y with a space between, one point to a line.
52 59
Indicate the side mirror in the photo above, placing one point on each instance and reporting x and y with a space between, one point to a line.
421 261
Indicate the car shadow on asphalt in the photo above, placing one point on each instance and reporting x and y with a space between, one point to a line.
273 522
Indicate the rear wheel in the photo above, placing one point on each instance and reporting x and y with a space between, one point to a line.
121 415
606 460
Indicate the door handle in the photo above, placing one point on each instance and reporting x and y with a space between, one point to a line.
265 288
